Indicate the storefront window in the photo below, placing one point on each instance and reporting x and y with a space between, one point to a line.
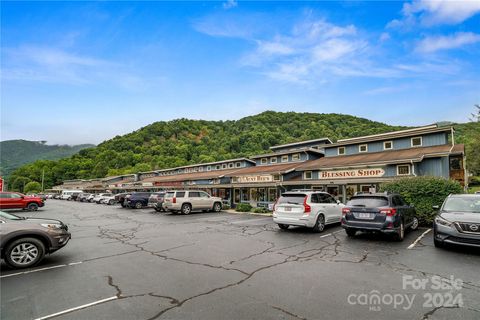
245 194
236 195
261 195
351 191
272 194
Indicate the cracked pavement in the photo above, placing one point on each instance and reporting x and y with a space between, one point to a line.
229 266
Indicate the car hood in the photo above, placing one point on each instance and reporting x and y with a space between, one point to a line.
461 216
41 220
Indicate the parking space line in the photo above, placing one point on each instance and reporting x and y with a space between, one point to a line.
418 239
41 269
329 234
77 308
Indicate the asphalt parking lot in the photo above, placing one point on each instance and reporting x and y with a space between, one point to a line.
140 264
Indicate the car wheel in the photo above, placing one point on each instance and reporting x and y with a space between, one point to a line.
157 209
32 207
351 232
24 253
283 226
414 225
319 224
110 202
401 232
217 207
438 243
138 205
186 208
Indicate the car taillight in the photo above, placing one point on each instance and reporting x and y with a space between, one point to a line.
174 200
306 207
389 212
345 211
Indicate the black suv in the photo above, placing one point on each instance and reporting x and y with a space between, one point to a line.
379 212
458 221
138 200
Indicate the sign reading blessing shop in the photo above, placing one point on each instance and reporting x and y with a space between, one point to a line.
357 173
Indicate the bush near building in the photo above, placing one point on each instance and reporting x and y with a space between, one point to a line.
243 207
33 187
423 193
261 210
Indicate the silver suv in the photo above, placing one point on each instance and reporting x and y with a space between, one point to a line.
187 201
312 209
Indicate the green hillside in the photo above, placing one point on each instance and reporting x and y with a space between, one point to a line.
15 153
180 142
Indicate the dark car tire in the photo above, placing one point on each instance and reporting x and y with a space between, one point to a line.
138 205
186 208
110 202
36 249
283 226
415 224
319 224
438 243
351 232
158 209
32 207
400 235
217 207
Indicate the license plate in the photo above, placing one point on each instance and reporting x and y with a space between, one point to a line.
365 215
288 208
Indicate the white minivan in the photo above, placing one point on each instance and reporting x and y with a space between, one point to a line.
312 209
67 194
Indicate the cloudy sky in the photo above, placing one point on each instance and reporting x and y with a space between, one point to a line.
83 72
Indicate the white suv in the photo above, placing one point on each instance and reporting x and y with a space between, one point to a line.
191 200
313 209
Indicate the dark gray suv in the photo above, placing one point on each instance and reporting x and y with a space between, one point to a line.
25 241
379 212
458 221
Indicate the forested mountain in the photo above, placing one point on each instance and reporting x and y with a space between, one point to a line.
15 153
180 142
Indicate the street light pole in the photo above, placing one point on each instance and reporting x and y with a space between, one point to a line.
43 177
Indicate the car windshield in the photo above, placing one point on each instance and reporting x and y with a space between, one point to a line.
296 198
462 204
10 216
368 202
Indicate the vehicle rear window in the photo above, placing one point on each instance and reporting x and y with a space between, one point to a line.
369 202
170 194
180 194
296 198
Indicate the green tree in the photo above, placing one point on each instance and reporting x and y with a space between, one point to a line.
32 187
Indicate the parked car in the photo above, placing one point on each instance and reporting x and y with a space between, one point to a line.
38 195
25 241
99 197
15 200
120 198
187 201
110 200
138 200
312 209
70 194
57 196
379 212
156 201
90 197
83 197
458 221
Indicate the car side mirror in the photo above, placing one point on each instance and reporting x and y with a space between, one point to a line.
436 207
339 202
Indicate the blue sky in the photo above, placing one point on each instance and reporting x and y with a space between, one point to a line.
83 72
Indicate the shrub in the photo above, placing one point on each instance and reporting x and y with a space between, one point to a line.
423 193
261 210
225 206
32 187
474 181
243 207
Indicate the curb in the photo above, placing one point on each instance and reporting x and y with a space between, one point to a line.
248 213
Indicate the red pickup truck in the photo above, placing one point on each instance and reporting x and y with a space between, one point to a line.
15 200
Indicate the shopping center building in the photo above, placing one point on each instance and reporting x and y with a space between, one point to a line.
341 168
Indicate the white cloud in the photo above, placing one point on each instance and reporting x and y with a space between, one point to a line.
457 40
436 12
384 37
230 4
53 65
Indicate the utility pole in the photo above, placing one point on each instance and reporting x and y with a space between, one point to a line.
43 177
